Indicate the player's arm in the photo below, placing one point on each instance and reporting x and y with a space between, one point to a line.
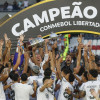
8 52
58 67
3 77
1 45
18 60
86 58
80 95
45 85
34 55
41 52
7 86
53 52
35 88
79 81
96 95
57 87
6 47
52 62
92 64
80 46
26 56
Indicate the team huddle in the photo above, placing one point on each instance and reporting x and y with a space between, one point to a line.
42 74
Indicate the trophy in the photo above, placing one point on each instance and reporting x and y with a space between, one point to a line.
53 38
39 42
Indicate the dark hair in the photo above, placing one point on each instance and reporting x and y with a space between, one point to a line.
45 78
81 71
93 72
28 69
71 77
65 70
85 75
11 74
2 67
16 76
24 77
47 72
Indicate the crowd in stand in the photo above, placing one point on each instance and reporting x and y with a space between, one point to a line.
42 74
17 5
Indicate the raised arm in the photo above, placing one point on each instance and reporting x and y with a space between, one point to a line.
8 52
35 88
80 46
58 67
6 47
1 45
92 64
86 57
26 56
53 52
18 60
34 55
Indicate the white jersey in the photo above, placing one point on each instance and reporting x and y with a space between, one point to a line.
35 78
87 88
81 87
45 95
22 91
62 93
2 94
31 64
98 78
9 81
57 92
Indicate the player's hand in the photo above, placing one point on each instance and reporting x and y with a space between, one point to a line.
1 42
79 39
34 49
93 92
8 44
68 91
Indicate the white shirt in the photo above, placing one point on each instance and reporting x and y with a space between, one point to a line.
31 64
45 95
35 78
9 81
22 91
88 86
98 78
81 87
57 92
2 94
62 94
26 3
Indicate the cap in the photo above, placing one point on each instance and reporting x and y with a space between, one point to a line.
35 69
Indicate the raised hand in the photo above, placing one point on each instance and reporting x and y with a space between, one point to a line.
85 48
54 45
1 42
8 44
79 39
34 48
6 37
